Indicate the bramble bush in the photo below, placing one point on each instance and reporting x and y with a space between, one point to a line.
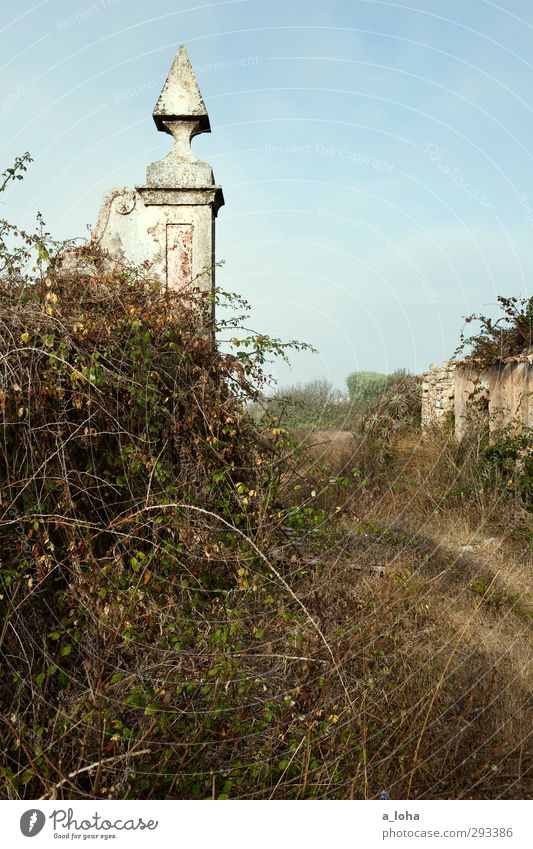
508 335
132 482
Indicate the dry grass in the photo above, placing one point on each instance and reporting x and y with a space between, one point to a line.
441 564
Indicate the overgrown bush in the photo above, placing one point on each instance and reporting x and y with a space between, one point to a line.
394 411
509 459
510 334
135 494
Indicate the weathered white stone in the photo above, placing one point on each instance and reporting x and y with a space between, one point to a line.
167 226
438 399
180 96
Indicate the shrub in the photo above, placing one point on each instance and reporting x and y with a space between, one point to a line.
397 409
135 495
508 460
510 334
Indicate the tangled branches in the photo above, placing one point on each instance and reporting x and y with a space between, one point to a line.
115 405
509 335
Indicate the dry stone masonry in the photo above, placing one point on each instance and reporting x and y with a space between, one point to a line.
438 393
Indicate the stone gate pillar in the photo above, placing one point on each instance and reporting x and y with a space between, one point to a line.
168 225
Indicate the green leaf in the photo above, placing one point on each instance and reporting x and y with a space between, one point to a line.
152 708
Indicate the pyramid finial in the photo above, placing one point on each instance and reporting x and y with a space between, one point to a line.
180 98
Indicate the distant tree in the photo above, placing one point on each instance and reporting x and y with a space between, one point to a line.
315 393
363 386
315 403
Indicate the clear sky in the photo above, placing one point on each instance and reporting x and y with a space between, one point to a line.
376 157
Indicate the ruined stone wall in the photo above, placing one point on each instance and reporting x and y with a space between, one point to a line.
438 393
511 394
504 393
472 397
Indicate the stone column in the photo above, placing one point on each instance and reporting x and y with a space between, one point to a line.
167 227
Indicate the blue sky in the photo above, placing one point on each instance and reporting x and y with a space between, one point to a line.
375 156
